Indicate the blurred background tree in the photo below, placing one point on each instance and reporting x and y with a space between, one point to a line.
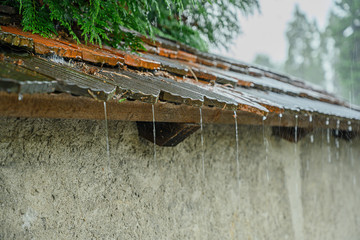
304 59
344 29
264 60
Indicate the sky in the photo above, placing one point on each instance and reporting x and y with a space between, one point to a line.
265 32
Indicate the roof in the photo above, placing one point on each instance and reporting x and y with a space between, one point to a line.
174 76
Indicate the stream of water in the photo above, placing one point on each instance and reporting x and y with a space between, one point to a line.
266 150
237 147
107 139
202 142
154 130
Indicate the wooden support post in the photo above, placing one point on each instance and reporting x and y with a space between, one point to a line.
168 134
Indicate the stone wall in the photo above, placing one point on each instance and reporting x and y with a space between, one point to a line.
56 182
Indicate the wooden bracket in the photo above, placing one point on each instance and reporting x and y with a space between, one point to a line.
168 134
288 133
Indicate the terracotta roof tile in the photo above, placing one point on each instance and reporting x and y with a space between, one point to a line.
168 71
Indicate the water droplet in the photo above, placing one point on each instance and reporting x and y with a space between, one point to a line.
264 118
310 118
312 138
327 121
20 97
280 115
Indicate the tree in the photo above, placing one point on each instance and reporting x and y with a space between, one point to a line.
344 27
196 23
264 60
304 58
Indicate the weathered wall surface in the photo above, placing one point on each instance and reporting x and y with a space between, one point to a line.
55 183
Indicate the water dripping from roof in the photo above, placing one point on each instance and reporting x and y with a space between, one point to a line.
337 127
312 138
20 97
312 134
266 150
337 142
202 142
328 140
280 117
107 139
349 126
237 147
154 130
296 127
296 130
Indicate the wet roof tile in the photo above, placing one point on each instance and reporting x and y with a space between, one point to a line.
169 71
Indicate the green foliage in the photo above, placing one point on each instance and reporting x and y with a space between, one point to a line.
344 28
305 56
198 23
193 22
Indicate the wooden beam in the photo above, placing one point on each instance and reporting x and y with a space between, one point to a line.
66 106
167 134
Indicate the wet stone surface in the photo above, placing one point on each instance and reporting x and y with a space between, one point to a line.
55 184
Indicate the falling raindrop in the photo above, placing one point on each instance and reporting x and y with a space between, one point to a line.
328 135
154 130
296 130
237 146
328 139
296 127
337 127
311 135
107 139
266 150
202 143
20 97
351 154
337 144
349 126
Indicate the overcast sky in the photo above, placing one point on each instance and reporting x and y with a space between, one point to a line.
265 32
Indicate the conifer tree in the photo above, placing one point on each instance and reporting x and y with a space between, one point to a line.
193 22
